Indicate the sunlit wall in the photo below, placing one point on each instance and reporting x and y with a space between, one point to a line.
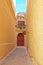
35 30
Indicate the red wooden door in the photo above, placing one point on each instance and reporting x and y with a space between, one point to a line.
20 39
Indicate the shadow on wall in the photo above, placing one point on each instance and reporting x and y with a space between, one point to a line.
7 29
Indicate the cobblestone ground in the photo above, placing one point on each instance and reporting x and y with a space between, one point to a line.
18 56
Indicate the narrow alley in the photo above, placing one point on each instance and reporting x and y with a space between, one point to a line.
21 32
18 56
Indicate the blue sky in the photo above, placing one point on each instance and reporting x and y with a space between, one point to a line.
20 5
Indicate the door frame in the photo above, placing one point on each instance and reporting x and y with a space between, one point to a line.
17 37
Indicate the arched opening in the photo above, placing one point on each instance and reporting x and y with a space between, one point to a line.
20 39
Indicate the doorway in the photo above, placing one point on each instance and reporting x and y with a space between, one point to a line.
20 39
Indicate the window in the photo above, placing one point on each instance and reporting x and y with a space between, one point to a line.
21 24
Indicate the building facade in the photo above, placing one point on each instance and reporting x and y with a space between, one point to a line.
21 28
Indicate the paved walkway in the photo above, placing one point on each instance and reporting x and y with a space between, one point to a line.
18 56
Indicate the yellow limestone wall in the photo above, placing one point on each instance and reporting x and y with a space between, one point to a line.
7 27
35 30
